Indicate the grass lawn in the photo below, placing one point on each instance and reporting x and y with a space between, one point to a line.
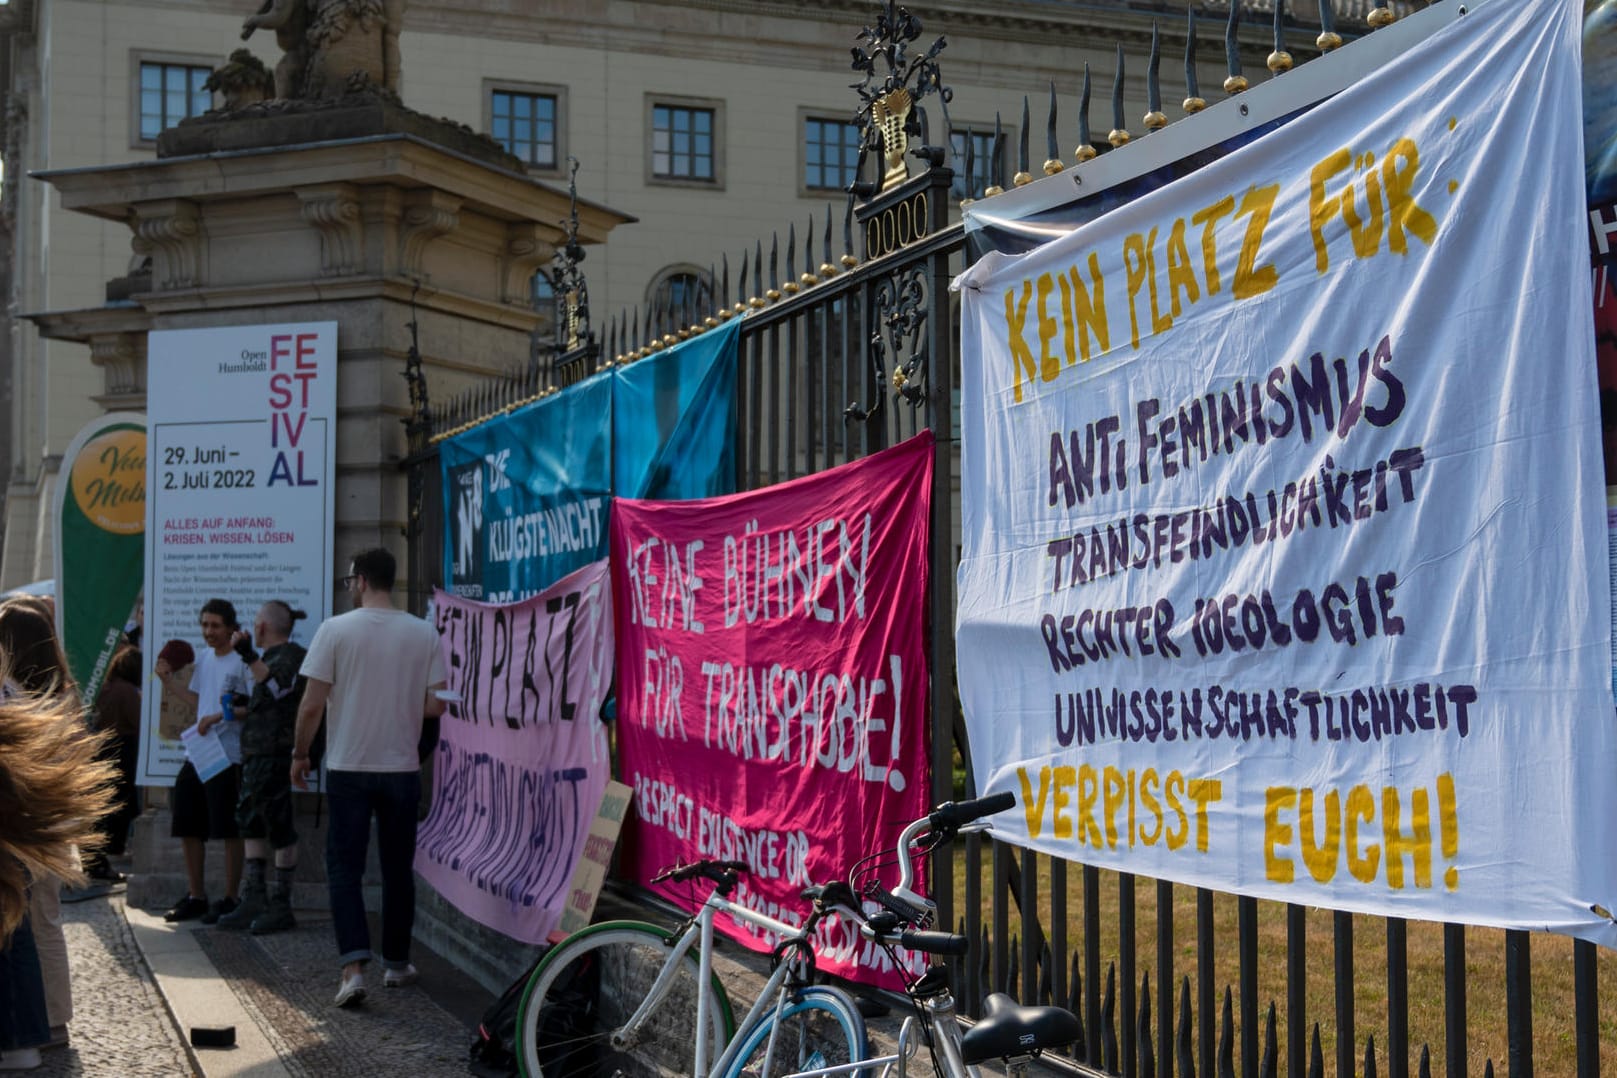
1554 1040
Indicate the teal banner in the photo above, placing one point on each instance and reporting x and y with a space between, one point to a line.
526 495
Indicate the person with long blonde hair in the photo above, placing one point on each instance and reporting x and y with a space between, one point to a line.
39 670
54 788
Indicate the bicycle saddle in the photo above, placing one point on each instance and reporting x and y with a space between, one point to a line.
1009 1029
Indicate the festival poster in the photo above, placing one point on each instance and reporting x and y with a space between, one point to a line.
239 488
100 529
522 759
773 682
1284 552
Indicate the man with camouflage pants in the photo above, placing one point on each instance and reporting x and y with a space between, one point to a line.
264 812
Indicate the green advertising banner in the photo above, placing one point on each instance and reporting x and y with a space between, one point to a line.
100 536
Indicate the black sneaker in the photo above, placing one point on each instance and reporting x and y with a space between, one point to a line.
187 909
103 872
218 910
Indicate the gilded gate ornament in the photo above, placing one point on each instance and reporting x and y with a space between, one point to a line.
889 114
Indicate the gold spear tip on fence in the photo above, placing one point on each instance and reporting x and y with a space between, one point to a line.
1083 153
756 303
1118 136
807 279
1053 166
849 262
1235 84
1021 179
993 189
1193 105
1328 41
827 271
1279 61
1381 16
1155 121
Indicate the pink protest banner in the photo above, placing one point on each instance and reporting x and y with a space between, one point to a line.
523 760
772 683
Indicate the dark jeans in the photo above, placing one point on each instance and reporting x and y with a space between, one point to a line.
23 1023
354 797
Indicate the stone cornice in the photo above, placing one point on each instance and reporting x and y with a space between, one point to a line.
398 160
81 325
343 290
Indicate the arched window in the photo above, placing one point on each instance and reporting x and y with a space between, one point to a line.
679 296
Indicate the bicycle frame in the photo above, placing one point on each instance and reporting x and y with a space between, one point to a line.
699 932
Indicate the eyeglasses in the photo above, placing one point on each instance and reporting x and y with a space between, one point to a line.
348 581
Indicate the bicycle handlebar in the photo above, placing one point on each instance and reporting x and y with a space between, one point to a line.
946 943
951 816
722 873
944 821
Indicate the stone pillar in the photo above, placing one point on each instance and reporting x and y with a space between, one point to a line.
369 216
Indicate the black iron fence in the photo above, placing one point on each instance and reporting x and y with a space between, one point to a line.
853 350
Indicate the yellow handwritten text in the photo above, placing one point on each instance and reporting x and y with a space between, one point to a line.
1107 807
1388 208
1363 830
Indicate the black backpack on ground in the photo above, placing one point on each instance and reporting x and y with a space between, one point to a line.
567 1018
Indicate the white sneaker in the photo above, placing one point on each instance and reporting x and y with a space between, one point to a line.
352 991
20 1059
400 978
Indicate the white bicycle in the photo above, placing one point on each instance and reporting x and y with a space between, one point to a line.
1008 1031
632 999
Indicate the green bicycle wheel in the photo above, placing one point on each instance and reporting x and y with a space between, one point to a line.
571 1022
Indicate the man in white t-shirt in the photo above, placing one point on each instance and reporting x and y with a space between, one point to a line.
207 810
376 670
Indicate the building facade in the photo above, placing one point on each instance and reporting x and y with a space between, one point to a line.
712 123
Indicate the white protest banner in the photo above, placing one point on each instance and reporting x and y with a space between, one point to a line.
239 466
522 760
1284 552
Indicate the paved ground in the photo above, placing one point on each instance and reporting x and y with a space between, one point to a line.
121 1026
139 983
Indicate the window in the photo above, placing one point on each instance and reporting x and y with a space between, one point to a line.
678 297
527 125
982 162
169 93
687 147
830 153
545 305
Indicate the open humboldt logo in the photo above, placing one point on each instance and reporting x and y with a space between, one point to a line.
109 481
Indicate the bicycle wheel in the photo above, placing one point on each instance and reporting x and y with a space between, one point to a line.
818 1027
590 984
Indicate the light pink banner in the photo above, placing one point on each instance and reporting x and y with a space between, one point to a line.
772 688
523 758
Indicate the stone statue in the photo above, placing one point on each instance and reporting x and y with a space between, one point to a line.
242 79
333 47
290 21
